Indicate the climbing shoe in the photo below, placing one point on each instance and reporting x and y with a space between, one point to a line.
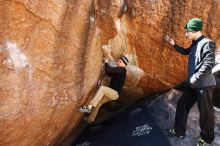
201 142
85 109
173 133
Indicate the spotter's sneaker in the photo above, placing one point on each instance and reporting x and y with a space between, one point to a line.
201 142
173 133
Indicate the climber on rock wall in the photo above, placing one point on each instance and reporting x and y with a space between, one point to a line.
199 85
117 74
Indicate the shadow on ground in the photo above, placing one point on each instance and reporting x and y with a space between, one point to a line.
162 109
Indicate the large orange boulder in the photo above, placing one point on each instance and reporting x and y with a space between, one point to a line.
51 57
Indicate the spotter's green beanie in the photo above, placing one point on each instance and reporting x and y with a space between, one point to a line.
194 24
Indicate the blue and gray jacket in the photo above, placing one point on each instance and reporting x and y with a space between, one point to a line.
201 61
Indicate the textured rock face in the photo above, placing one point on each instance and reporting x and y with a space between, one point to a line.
51 57
49 64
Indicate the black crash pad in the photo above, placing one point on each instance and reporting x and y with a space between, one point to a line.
135 127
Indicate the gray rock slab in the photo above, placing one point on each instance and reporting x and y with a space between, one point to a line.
163 109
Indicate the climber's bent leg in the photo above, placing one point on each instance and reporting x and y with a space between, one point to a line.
103 95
